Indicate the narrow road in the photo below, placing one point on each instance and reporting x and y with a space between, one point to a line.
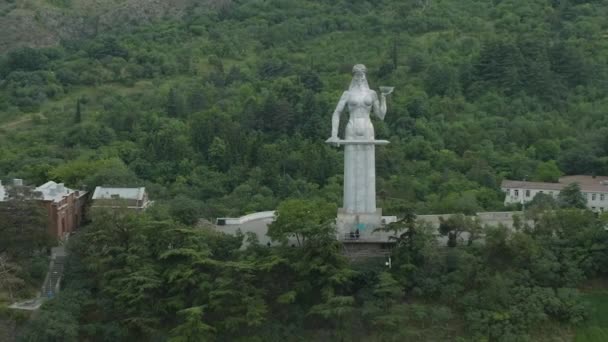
20 121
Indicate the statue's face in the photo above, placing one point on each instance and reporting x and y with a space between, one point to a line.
359 72
359 76
359 79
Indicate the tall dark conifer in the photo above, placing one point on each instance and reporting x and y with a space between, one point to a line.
78 115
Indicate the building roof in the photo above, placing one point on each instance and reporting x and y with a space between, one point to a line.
587 184
509 184
55 192
599 182
121 193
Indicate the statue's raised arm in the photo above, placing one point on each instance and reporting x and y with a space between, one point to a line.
380 104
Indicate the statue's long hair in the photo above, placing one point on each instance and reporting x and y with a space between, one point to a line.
359 79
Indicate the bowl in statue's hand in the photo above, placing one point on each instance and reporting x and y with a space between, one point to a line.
386 90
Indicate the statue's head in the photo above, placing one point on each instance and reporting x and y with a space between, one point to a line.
359 79
359 69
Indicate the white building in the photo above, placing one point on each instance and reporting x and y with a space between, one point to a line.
5 188
3 194
55 192
594 189
131 198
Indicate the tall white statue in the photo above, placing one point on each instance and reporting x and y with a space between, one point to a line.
359 210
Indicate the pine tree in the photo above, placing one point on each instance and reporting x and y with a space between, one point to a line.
572 197
175 104
395 53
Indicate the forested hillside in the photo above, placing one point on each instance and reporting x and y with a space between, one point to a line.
225 111
231 108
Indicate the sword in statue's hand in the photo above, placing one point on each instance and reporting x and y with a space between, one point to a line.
334 141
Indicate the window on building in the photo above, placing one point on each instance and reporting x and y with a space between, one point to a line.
527 193
593 197
516 193
601 197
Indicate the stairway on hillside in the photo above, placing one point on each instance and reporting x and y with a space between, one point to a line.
356 251
50 286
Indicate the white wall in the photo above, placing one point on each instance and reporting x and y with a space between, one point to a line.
519 195
595 201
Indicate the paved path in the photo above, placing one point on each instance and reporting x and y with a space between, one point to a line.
20 121
30 304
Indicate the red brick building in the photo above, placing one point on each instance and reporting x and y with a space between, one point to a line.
65 207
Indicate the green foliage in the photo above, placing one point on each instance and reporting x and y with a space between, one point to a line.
175 104
108 172
305 220
27 59
185 210
9 276
540 203
61 3
78 113
515 281
150 273
23 225
454 226
594 330
192 329
572 197
548 172
57 319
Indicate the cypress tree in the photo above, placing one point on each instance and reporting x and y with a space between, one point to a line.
78 115
175 104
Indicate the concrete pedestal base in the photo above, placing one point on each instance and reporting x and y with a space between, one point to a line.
347 224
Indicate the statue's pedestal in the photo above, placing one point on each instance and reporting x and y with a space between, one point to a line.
359 217
348 224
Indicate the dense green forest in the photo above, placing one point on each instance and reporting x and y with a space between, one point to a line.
226 111
134 277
